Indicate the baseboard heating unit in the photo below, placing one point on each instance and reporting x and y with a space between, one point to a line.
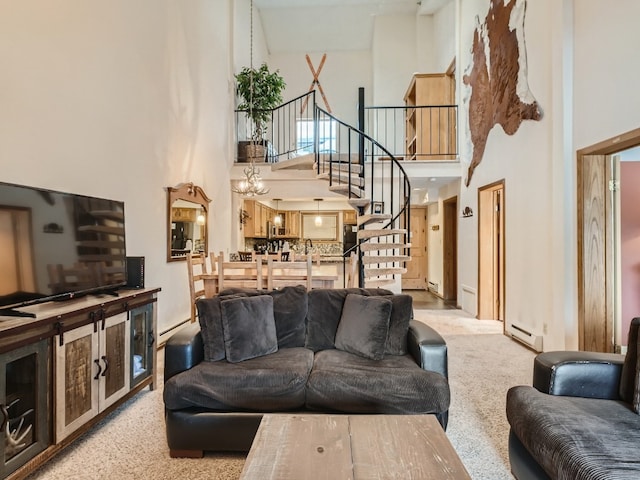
522 335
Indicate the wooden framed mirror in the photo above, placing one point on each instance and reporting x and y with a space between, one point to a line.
187 217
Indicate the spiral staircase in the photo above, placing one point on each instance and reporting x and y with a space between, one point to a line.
368 175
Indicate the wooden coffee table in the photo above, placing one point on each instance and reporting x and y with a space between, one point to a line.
294 447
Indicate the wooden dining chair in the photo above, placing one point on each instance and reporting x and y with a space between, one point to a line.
242 274
197 268
281 274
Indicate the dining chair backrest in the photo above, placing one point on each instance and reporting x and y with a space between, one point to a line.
282 274
196 268
243 274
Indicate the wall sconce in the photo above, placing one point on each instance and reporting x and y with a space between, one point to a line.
318 220
200 219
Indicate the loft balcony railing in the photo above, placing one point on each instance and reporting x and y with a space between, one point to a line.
424 132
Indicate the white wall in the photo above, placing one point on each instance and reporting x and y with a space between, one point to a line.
341 76
394 58
121 99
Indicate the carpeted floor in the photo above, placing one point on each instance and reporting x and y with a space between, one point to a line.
130 443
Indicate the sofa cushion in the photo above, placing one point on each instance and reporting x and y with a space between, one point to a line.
289 311
274 382
573 437
325 309
629 384
401 315
344 382
210 319
364 325
248 327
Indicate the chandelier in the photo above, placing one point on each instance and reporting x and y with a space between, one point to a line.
251 185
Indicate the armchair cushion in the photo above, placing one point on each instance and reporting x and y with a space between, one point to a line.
364 326
573 437
248 327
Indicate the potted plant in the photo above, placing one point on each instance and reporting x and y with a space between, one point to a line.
260 91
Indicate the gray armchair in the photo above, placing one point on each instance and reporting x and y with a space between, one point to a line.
578 420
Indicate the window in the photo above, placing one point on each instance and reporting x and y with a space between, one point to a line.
327 135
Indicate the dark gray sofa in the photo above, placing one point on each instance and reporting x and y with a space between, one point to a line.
580 419
215 402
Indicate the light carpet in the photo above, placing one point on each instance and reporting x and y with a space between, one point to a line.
130 443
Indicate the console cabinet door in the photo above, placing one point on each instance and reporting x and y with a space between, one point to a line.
77 378
142 341
115 360
24 405
92 371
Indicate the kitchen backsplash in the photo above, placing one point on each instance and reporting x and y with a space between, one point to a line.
323 248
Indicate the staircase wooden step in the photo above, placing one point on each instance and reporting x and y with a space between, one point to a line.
303 162
378 272
380 232
344 190
373 218
378 282
371 247
342 179
359 202
354 168
372 259
339 158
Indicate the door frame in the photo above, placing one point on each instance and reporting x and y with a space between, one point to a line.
600 294
491 276
450 249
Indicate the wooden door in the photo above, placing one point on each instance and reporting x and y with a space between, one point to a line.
450 249
491 247
76 383
416 276
595 256
115 359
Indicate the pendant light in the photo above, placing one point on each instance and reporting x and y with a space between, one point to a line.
318 220
277 219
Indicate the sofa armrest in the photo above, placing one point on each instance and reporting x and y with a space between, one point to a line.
428 348
183 350
578 374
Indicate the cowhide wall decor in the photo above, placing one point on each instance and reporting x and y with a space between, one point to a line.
497 77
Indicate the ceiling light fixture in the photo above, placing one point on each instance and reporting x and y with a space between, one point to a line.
318 220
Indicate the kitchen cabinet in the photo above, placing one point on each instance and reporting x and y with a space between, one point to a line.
349 217
180 214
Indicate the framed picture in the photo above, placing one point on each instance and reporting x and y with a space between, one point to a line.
377 207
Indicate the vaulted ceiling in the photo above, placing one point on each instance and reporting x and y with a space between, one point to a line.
330 25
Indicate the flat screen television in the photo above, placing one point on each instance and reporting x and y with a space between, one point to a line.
56 246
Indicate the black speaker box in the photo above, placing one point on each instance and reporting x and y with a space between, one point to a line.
135 272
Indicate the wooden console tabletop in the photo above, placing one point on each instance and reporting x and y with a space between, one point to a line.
291 447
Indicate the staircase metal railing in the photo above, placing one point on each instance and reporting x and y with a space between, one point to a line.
290 124
370 176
